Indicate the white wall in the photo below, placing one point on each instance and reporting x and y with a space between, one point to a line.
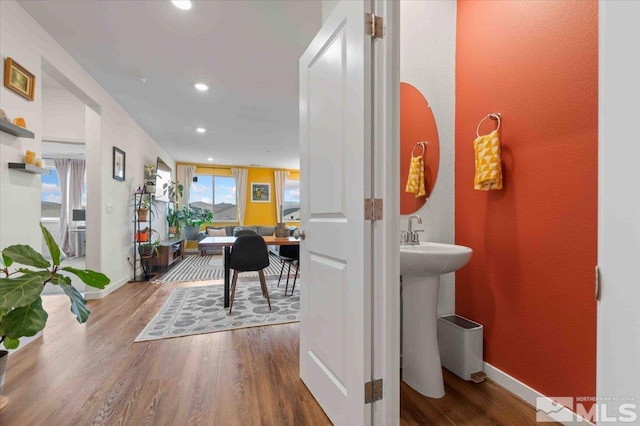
109 236
618 356
62 115
427 61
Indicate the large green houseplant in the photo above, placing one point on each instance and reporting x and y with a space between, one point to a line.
21 311
193 217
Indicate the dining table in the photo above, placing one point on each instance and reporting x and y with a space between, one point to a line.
210 243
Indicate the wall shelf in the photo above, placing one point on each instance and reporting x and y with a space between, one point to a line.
29 168
14 130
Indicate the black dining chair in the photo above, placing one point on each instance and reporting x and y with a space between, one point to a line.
249 253
245 232
289 255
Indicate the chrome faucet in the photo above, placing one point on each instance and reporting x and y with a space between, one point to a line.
411 237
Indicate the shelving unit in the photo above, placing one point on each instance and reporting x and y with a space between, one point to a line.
14 130
29 168
140 198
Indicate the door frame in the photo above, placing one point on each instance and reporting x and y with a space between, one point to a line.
385 309
618 337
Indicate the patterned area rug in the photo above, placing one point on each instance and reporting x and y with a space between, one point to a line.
209 267
199 309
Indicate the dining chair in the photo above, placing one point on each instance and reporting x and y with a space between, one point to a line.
289 255
248 254
245 232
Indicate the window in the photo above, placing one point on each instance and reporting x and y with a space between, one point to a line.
51 196
51 199
291 204
215 193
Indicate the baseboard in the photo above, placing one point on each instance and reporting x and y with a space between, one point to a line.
530 395
99 294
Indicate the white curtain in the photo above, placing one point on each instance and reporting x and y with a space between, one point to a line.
241 192
62 167
281 180
76 181
185 177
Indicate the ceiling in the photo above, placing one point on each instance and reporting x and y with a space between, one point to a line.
246 51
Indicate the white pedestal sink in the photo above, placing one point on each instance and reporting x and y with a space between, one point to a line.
421 267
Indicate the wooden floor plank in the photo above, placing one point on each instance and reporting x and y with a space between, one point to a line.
94 374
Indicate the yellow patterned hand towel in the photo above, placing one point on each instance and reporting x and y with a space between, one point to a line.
415 181
488 174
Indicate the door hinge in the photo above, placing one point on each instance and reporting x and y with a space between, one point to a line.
374 25
373 209
373 391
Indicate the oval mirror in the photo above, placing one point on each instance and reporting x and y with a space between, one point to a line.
417 124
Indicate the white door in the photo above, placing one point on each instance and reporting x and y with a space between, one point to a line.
618 353
335 123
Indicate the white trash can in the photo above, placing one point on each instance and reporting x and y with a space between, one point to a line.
460 342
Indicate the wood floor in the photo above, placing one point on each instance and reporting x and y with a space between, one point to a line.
93 374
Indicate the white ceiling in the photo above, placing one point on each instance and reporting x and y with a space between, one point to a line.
246 51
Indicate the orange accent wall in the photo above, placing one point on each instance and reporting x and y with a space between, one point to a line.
530 281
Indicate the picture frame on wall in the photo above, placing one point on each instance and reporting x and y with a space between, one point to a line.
260 192
19 80
119 164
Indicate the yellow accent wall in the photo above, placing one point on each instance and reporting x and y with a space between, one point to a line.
255 213
260 213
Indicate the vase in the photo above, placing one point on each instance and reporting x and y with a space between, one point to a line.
191 232
142 215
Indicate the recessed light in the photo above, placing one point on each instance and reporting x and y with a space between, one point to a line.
182 4
209 159
201 130
201 87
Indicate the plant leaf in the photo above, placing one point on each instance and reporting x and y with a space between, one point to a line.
78 303
7 261
60 279
20 291
25 321
54 250
43 274
10 343
25 255
90 278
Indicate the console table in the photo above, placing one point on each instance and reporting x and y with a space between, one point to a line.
169 252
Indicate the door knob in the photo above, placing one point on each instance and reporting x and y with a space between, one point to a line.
299 234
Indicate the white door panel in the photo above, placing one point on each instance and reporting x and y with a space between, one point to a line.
335 122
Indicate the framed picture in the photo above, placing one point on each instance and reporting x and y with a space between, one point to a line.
18 79
118 164
260 192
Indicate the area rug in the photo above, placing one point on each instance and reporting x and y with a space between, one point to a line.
208 267
200 309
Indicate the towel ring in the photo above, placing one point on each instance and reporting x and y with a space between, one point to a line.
494 116
423 145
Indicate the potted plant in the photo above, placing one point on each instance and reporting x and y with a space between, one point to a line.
21 311
173 221
143 209
193 217
151 248
150 178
